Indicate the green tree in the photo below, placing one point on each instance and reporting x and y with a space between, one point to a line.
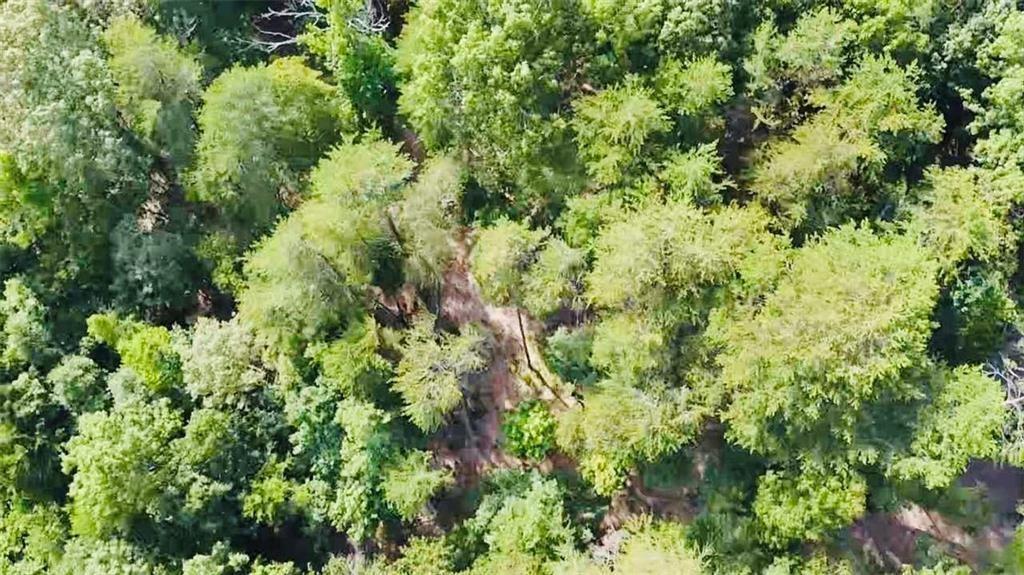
428 215
814 177
148 350
529 430
481 77
410 482
312 273
121 467
25 334
157 86
963 420
845 328
68 168
807 505
614 128
220 361
261 128
431 376
620 426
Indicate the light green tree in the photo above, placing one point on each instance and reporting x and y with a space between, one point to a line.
431 376
157 85
260 128
121 467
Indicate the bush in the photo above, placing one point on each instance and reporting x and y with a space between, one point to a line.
529 430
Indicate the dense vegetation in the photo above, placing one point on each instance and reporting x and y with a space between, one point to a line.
559 287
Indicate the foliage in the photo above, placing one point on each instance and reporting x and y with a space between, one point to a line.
261 127
220 361
678 248
482 77
694 176
157 85
428 217
410 482
529 430
524 525
147 350
613 126
963 216
567 352
25 334
152 268
431 375
269 268
807 505
963 421
501 255
805 365
77 384
620 426
121 467
814 174
693 89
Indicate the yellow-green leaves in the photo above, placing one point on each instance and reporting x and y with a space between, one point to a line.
840 331
807 506
831 170
157 84
613 126
962 420
964 216
433 370
261 127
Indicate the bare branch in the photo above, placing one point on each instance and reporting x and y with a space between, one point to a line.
300 13
371 19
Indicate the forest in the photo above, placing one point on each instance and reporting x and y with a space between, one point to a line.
511 287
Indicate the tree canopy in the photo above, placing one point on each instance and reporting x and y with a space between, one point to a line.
511 287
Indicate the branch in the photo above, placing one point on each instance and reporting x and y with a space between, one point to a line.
529 362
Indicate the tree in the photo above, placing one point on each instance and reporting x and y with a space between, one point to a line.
785 69
529 430
261 128
612 128
431 374
147 350
845 328
77 384
650 547
693 89
220 362
620 426
121 468
963 420
351 37
428 217
677 249
813 178
25 334
963 216
89 557
807 505
523 523
480 78
152 267
157 86
409 483
311 274
501 255
68 166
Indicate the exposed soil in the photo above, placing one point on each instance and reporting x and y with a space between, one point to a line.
891 539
